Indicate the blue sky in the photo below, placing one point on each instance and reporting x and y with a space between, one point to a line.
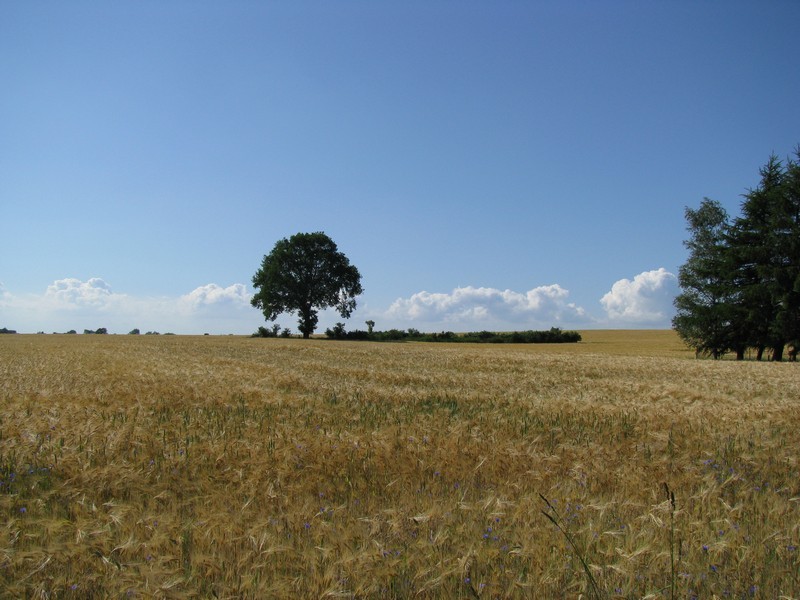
486 165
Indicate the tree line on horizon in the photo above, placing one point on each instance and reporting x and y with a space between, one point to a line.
740 286
554 335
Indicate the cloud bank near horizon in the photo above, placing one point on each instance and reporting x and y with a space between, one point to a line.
476 307
70 303
645 301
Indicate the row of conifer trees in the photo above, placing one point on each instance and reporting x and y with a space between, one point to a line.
740 286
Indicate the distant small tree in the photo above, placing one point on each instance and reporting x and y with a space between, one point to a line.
304 274
99 331
370 326
134 332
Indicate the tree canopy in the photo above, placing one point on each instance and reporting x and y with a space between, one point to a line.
304 274
741 282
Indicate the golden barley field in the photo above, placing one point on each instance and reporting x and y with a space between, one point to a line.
230 467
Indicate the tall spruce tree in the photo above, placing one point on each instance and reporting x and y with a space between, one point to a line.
786 231
757 249
704 307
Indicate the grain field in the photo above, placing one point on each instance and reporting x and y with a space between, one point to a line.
228 467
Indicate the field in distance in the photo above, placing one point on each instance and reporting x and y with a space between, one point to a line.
230 467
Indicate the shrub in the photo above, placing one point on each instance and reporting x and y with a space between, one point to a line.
337 333
272 332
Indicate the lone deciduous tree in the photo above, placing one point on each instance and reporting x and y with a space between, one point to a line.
304 274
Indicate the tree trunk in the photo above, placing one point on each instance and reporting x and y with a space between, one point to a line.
777 353
308 321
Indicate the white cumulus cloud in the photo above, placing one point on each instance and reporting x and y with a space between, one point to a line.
213 294
488 307
645 300
74 292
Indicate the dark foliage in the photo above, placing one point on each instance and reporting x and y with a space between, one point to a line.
552 336
272 332
99 331
304 274
740 286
